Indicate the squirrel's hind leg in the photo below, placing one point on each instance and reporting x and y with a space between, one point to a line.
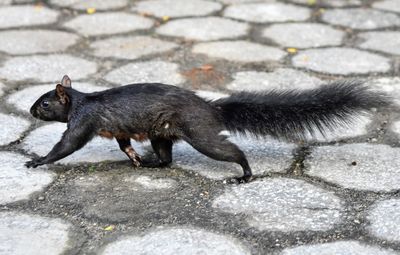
163 149
219 148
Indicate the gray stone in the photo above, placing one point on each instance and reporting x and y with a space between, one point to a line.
132 47
385 220
96 4
389 85
10 16
361 18
177 241
372 167
30 234
281 78
19 42
150 183
335 3
383 41
243 1
281 204
396 127
339 247
267 12
204 29
241 51
24 98
41 140
264 156
357 127
46 68
1 89
108 23
5 2
344 61
12 128
310 35
17 181
387 5
177 8
150 71
210 95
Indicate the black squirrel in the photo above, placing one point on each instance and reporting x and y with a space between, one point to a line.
165 114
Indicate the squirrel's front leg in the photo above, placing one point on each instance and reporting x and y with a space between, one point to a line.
72 140
125 146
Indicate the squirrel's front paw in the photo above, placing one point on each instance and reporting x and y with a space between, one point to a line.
34 163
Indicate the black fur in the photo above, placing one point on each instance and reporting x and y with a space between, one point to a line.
164 114
294 114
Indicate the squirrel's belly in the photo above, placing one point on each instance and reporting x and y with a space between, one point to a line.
140 137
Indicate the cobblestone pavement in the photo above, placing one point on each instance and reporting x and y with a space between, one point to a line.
338 194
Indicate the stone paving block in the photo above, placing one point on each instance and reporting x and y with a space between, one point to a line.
343 61
177 8
10 16
396 127
85 4
369 167
131 47
241 51
19 42
383 41
152 183
1 89
304 35
5 2
267 12
279 79
30 234
387 5
338 248
389 85
204 29
357 127
150 71
12 128
282 204
335 3
384 218
210 95
242 1
46 68
42 139
177 241
19 182
108 23
358 18
264 156
24 98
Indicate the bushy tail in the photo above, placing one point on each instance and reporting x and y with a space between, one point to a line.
295 114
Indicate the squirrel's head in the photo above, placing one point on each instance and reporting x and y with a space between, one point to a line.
55 104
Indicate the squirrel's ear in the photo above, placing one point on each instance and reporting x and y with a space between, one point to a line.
62 96
66 81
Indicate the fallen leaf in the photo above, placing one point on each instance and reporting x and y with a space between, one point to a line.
90 10
109 228
311 2
291 50
166 18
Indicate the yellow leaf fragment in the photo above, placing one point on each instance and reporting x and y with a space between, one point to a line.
311 2
109 228
90 10
291 50
166 18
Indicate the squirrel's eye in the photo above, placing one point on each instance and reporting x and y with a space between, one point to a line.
44 104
